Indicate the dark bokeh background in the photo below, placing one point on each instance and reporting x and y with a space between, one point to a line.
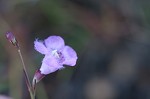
111 38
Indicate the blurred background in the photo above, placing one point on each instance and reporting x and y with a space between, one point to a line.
111 38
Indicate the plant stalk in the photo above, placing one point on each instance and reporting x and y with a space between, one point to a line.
31 90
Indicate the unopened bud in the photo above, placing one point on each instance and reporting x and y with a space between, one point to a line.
37 77
11 38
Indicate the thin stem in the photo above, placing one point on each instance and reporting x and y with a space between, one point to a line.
32 95
34 88
31 90
10 37
24 68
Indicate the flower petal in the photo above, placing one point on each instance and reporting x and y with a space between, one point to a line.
69 55
45 69
54 42
49 65
40 47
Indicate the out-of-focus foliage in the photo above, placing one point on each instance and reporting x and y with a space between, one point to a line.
111 38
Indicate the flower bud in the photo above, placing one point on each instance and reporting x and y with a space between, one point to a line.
11 38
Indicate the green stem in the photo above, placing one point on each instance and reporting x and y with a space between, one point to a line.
31 94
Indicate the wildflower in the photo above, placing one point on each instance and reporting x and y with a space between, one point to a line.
56 54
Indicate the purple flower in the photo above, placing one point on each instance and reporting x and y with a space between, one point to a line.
56 54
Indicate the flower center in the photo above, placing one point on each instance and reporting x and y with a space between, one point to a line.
55 54
58 55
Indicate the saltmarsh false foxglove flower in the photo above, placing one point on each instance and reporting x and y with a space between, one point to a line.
56 54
